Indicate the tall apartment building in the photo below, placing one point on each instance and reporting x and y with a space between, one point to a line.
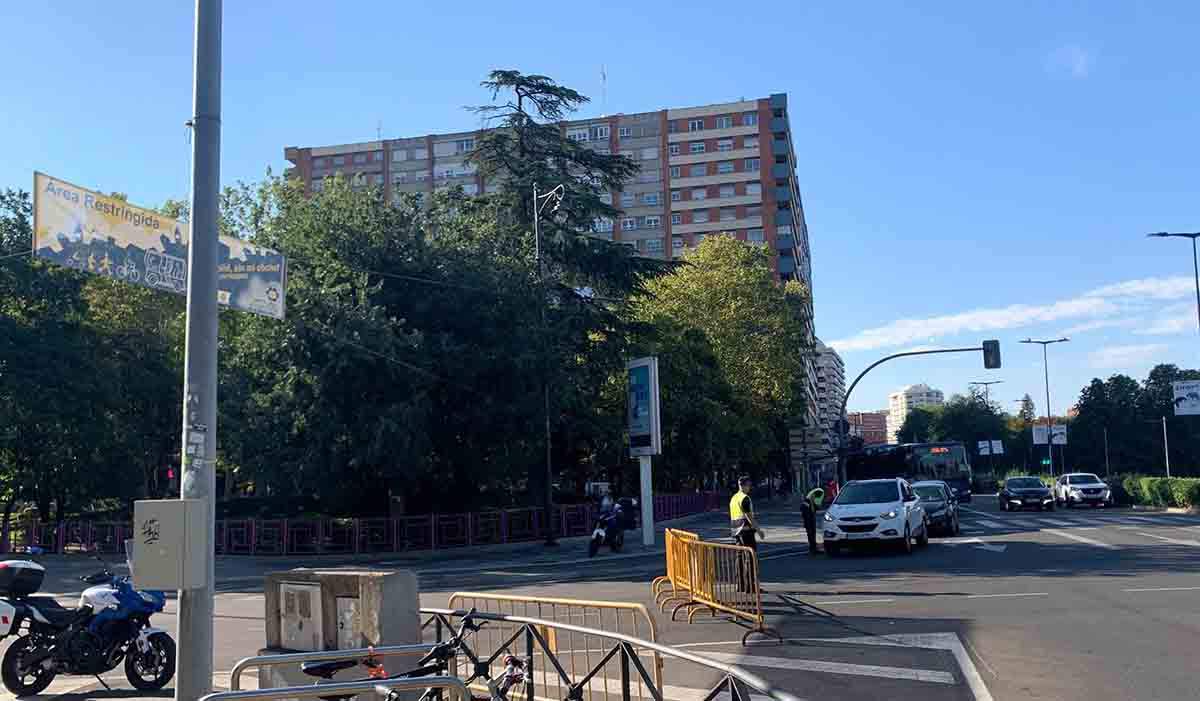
870 426
902 402
722 168
831 388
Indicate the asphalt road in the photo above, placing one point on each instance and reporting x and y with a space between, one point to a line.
1082 604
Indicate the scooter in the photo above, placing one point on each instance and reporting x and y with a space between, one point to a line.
609 530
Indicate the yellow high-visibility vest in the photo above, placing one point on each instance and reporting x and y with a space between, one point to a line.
736 515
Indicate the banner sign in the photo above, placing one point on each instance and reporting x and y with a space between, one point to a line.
991 447
1187 397
85 230
645 430
997 447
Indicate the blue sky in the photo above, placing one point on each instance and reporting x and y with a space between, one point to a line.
968 170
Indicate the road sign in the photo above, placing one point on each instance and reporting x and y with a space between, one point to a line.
86 230
645 434
985 447
1059 435
1187 398
997 447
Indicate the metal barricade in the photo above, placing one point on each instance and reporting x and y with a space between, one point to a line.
630 619
380 687
676 584
619 670
296 658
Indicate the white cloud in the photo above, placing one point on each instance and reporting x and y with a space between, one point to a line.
1071 60
1122 357
1103 307
1169 326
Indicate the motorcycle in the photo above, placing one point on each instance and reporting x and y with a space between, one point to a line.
111 625
610 528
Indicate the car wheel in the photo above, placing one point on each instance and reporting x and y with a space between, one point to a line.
833 549
924 539
1050 506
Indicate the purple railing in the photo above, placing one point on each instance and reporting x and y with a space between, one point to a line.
333 536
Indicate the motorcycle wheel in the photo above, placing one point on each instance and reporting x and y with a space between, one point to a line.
618 542
152 670
33 682
594 546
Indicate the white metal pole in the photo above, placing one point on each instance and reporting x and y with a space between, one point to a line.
1107 468
647 500
194 667
1049 421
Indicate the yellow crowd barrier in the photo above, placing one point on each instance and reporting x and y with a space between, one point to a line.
713 577
575 651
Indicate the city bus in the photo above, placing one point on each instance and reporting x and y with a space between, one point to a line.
946 461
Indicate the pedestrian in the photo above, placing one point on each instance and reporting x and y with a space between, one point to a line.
808 510
744 526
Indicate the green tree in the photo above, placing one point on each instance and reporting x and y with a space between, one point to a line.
920 426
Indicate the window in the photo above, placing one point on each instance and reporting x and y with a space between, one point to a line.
649 153
471 189
725 144
400 178
698 171
578 134
377 156
676 219
725 167
754 210
754 235
604 150
752 165
727 191
696 147
602 224
625 132
422 176
753 188
750 142
677 242
599 131
674 171
650 198
653 222
319 162
654 245
671 128
628 224
464 145
728 213
724 122
378 178
360 158
698 239
676 196
700 216
626 199
673 149
750 119
628 153
700 193
339 160
606 197
399 155
420 154
695 125
784 230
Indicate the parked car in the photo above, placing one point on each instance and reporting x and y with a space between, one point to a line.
882 510
1082 488
1025 493
941 506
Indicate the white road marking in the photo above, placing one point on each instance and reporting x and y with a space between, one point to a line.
1164 589
608 687
932 641
851 601
1079 538
862 670
989 524
1056 522
1175 541
1141 519
972 541
1007 596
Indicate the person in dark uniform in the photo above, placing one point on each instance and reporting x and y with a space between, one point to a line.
744 528
808 510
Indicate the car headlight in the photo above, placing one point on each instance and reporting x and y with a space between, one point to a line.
1076 493
828 518
888 516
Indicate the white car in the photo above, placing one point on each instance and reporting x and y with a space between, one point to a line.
1082 488
885 510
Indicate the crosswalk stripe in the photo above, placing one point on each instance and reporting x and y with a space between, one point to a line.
864 670
1081 539
1057 522
1173 541
988 524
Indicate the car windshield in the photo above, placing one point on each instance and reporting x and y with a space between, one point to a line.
930 492
1024 483
868 493
1083 479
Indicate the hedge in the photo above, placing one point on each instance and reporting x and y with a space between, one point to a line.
1181 492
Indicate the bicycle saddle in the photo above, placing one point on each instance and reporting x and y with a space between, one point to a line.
326 670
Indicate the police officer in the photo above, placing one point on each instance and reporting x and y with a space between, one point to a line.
743 526
808 510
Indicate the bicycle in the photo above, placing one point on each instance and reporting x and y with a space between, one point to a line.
434 663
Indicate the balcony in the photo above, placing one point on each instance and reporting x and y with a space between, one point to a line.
783 194
781 171
787 265
779 147
779 125
785 242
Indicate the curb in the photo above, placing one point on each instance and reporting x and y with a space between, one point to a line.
1166 510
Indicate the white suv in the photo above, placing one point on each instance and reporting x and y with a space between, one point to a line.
886 510
1082 488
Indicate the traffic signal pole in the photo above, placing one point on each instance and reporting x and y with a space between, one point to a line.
194 667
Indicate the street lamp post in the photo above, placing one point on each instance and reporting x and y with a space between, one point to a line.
541 201
987 401
1046 370
1166 445
1195 261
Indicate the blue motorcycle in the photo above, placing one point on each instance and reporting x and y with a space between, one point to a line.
111 625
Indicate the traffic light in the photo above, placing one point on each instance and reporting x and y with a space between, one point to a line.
1046 462
991 354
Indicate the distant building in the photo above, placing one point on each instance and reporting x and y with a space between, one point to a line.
831 388
902 402
870 426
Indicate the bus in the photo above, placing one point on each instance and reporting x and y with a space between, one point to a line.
946 461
